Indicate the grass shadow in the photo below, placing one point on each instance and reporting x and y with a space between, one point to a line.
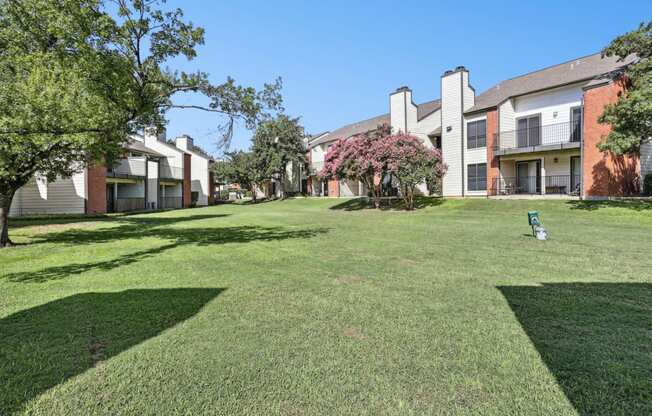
47 345
393 204
596 338
174 237
593 205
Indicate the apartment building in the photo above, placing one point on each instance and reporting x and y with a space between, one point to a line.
534 135
151 174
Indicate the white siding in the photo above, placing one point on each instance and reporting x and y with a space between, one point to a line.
475 155
401 106
646 159
62 196
199 178
152 185
454 89
426 126
506 121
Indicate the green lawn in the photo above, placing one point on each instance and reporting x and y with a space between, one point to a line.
319 307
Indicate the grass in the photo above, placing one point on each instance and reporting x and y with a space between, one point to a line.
324 307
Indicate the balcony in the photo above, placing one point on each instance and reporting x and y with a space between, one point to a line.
170 172
316 167
128 168
170 202
531 185
558 136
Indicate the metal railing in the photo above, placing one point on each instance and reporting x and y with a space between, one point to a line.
129 204
171 172
170 202
127 168
560 133
316 167
536 185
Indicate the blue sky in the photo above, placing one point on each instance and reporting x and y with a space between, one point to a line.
339 60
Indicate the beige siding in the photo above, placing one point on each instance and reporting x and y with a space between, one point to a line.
451 111
646 158
63 196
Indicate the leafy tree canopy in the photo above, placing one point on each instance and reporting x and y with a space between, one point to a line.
78 76
631 116
276 143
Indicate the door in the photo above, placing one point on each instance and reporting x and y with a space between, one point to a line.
110 198
528 131
528 177
576 124
576 174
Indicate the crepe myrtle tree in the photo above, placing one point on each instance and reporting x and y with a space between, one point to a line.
355 159
77 77
631 116
407 159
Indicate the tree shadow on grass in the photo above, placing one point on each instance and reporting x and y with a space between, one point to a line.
46 345
634 205
393 204
596 338
175 237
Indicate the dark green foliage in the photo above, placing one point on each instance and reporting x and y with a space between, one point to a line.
76 78
631 115
277 143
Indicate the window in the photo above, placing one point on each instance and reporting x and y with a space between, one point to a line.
476 134
477 177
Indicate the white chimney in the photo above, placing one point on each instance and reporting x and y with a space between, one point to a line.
402 111
185 142
457 96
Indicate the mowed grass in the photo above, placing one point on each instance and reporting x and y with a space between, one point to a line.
317 306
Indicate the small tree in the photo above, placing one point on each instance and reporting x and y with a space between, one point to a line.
241 168
410 162
276 143
355 159
630 116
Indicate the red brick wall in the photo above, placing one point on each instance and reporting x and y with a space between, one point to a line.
186 180
493 162
604 174
96 199
211 187
334 188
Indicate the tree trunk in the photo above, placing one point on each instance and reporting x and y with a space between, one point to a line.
282 186
375 195
5 204
253 193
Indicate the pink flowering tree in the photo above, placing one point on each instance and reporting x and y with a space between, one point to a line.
410 162
355 159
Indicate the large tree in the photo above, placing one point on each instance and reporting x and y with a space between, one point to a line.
631 116
277 143
242 168
355 159
78 76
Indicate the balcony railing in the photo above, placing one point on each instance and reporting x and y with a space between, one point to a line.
533 137
127 168
170 202
129 204
171 172
316 167
532 185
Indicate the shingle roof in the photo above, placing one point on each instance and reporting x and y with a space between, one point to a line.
352 129
138 146
423 110
580 69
